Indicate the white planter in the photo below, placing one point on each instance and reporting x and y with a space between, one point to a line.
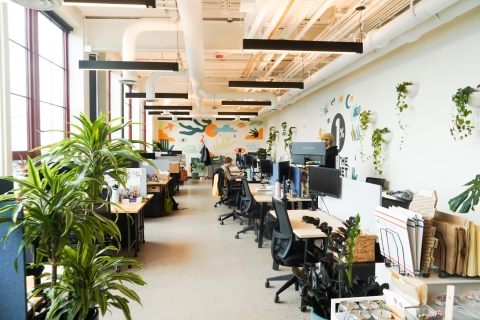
474 99
387 137
412 90
372 118
294 129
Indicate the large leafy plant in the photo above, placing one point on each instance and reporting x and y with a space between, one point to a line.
289 133
462 126
272 137
468 198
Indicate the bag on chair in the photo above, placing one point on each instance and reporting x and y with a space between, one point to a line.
167 202
269 224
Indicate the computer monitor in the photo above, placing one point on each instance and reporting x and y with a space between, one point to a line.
249 161
303 152
148 155
324 181
283 171
265 168
5 186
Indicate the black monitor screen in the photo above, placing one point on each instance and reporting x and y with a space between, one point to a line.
5 186
248 161
283 170
324 181
266 167
148 155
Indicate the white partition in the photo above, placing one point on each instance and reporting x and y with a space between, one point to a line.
355 197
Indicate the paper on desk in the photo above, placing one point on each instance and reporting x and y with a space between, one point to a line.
472 251
412 232
413 290
393 237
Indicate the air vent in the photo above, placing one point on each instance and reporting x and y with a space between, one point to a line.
129 81
44 5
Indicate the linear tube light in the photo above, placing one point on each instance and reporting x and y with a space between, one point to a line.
167 108
254 45
175 113
265 85
127 65
171 118
238 113
112 3
232 119
143 95
247 103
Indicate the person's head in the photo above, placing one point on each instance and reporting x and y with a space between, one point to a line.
328 138
227 161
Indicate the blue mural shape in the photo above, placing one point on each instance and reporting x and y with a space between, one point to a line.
356 111
225 128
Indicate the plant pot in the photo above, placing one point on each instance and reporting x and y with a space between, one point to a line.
94 314
474 99
372 118
316 316
194 175
387 137
412 90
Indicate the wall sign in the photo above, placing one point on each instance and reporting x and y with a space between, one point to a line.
338 131
344 167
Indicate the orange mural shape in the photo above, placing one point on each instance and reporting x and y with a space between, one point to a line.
162 135
260 135
209 130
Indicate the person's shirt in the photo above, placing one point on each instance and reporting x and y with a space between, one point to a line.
330 157
229 175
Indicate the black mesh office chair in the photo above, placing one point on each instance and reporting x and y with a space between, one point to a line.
233 195
220 185
249 208
286 251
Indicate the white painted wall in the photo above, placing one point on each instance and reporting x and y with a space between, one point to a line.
441 62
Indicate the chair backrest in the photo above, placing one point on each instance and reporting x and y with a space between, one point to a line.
247 198
283 236
378 181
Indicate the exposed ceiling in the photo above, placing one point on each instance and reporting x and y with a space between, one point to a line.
224 28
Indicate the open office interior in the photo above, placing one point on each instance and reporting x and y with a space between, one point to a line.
431 43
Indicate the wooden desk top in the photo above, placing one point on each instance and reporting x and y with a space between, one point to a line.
131 207
149 197
156 183
305 230
266 196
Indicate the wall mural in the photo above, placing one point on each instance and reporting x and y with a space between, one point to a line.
220 137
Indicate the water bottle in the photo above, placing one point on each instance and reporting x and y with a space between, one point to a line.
278 189
115 194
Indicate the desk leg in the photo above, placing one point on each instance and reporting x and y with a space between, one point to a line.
128 237
142 224
136 225
263 208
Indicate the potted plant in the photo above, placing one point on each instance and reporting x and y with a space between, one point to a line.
403 89
333 278
272 137
60 195
462 126
377 139
468 198
366 117
262 153
288 140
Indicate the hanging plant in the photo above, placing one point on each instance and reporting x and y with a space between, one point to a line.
378 158
364 120
462 125
272 137
401 106
288 133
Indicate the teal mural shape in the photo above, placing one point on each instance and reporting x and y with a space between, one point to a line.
356 111
192 130
328 120
324 110
354 174
346 101
253 146
225 128
190 149
332 103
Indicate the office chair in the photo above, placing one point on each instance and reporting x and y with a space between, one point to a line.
233 192
378 181
220 186
286 251
250 209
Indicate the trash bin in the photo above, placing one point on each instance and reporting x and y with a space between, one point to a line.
210 171
194 175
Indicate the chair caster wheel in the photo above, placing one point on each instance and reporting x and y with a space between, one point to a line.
221 222
215 206
237 237
219 219
267 284
303 309
256 240
277 299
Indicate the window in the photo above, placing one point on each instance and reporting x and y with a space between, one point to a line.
38 79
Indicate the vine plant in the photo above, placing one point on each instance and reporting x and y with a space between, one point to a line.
288 133
401 106
272 137
378 158
461 124
364 119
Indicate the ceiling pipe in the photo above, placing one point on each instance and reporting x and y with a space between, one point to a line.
150 86
130 36
242 95
375 39
258 19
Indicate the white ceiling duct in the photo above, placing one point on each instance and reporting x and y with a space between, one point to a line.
44 5
380 38
153 77
130 36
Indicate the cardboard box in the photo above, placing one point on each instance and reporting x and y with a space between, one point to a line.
174 167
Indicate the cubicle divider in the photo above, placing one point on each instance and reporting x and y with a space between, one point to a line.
355 197
13 297
296 180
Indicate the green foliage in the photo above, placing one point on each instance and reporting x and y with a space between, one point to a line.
262 153
89 280
364 118
378 158
461 126
288 133
401 106
468 199
162 145
272 137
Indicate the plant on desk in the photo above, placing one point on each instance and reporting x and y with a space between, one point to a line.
59 199
328 281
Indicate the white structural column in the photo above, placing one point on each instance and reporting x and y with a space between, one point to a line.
5 127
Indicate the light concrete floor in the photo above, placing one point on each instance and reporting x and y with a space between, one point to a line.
196 269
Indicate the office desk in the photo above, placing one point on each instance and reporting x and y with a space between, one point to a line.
156 189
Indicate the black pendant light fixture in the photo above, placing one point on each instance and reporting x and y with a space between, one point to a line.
167 108
127 65
112 3
143 95
255 103
275 45
265 85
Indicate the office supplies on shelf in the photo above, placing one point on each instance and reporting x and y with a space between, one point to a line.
415 291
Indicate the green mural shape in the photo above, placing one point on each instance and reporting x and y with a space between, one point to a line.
192 130
190 149
224 143
354 176
255 123
346 101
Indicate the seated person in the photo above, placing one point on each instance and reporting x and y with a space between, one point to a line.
332 151
227 162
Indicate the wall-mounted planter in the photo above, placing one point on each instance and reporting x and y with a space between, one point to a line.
474 99
372 118
387 137
412 90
